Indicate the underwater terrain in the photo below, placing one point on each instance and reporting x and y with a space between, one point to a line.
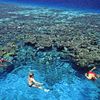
58 45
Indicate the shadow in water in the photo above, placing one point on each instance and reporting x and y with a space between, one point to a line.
7 71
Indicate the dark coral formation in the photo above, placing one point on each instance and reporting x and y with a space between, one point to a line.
75 35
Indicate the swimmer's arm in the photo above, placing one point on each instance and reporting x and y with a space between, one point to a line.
36 82
93 69
87 76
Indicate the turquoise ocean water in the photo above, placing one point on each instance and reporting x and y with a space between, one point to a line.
61 77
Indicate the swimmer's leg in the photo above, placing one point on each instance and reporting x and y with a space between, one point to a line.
46 90
35 86
40 87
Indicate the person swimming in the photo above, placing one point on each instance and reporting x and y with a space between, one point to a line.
91 75
33 83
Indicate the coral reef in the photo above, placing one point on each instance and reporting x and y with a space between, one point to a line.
75 35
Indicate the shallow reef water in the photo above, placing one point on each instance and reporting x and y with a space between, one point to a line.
64 82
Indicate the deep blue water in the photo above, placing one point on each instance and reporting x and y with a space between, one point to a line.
72 4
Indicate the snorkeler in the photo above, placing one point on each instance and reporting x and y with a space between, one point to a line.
91 75
33 83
